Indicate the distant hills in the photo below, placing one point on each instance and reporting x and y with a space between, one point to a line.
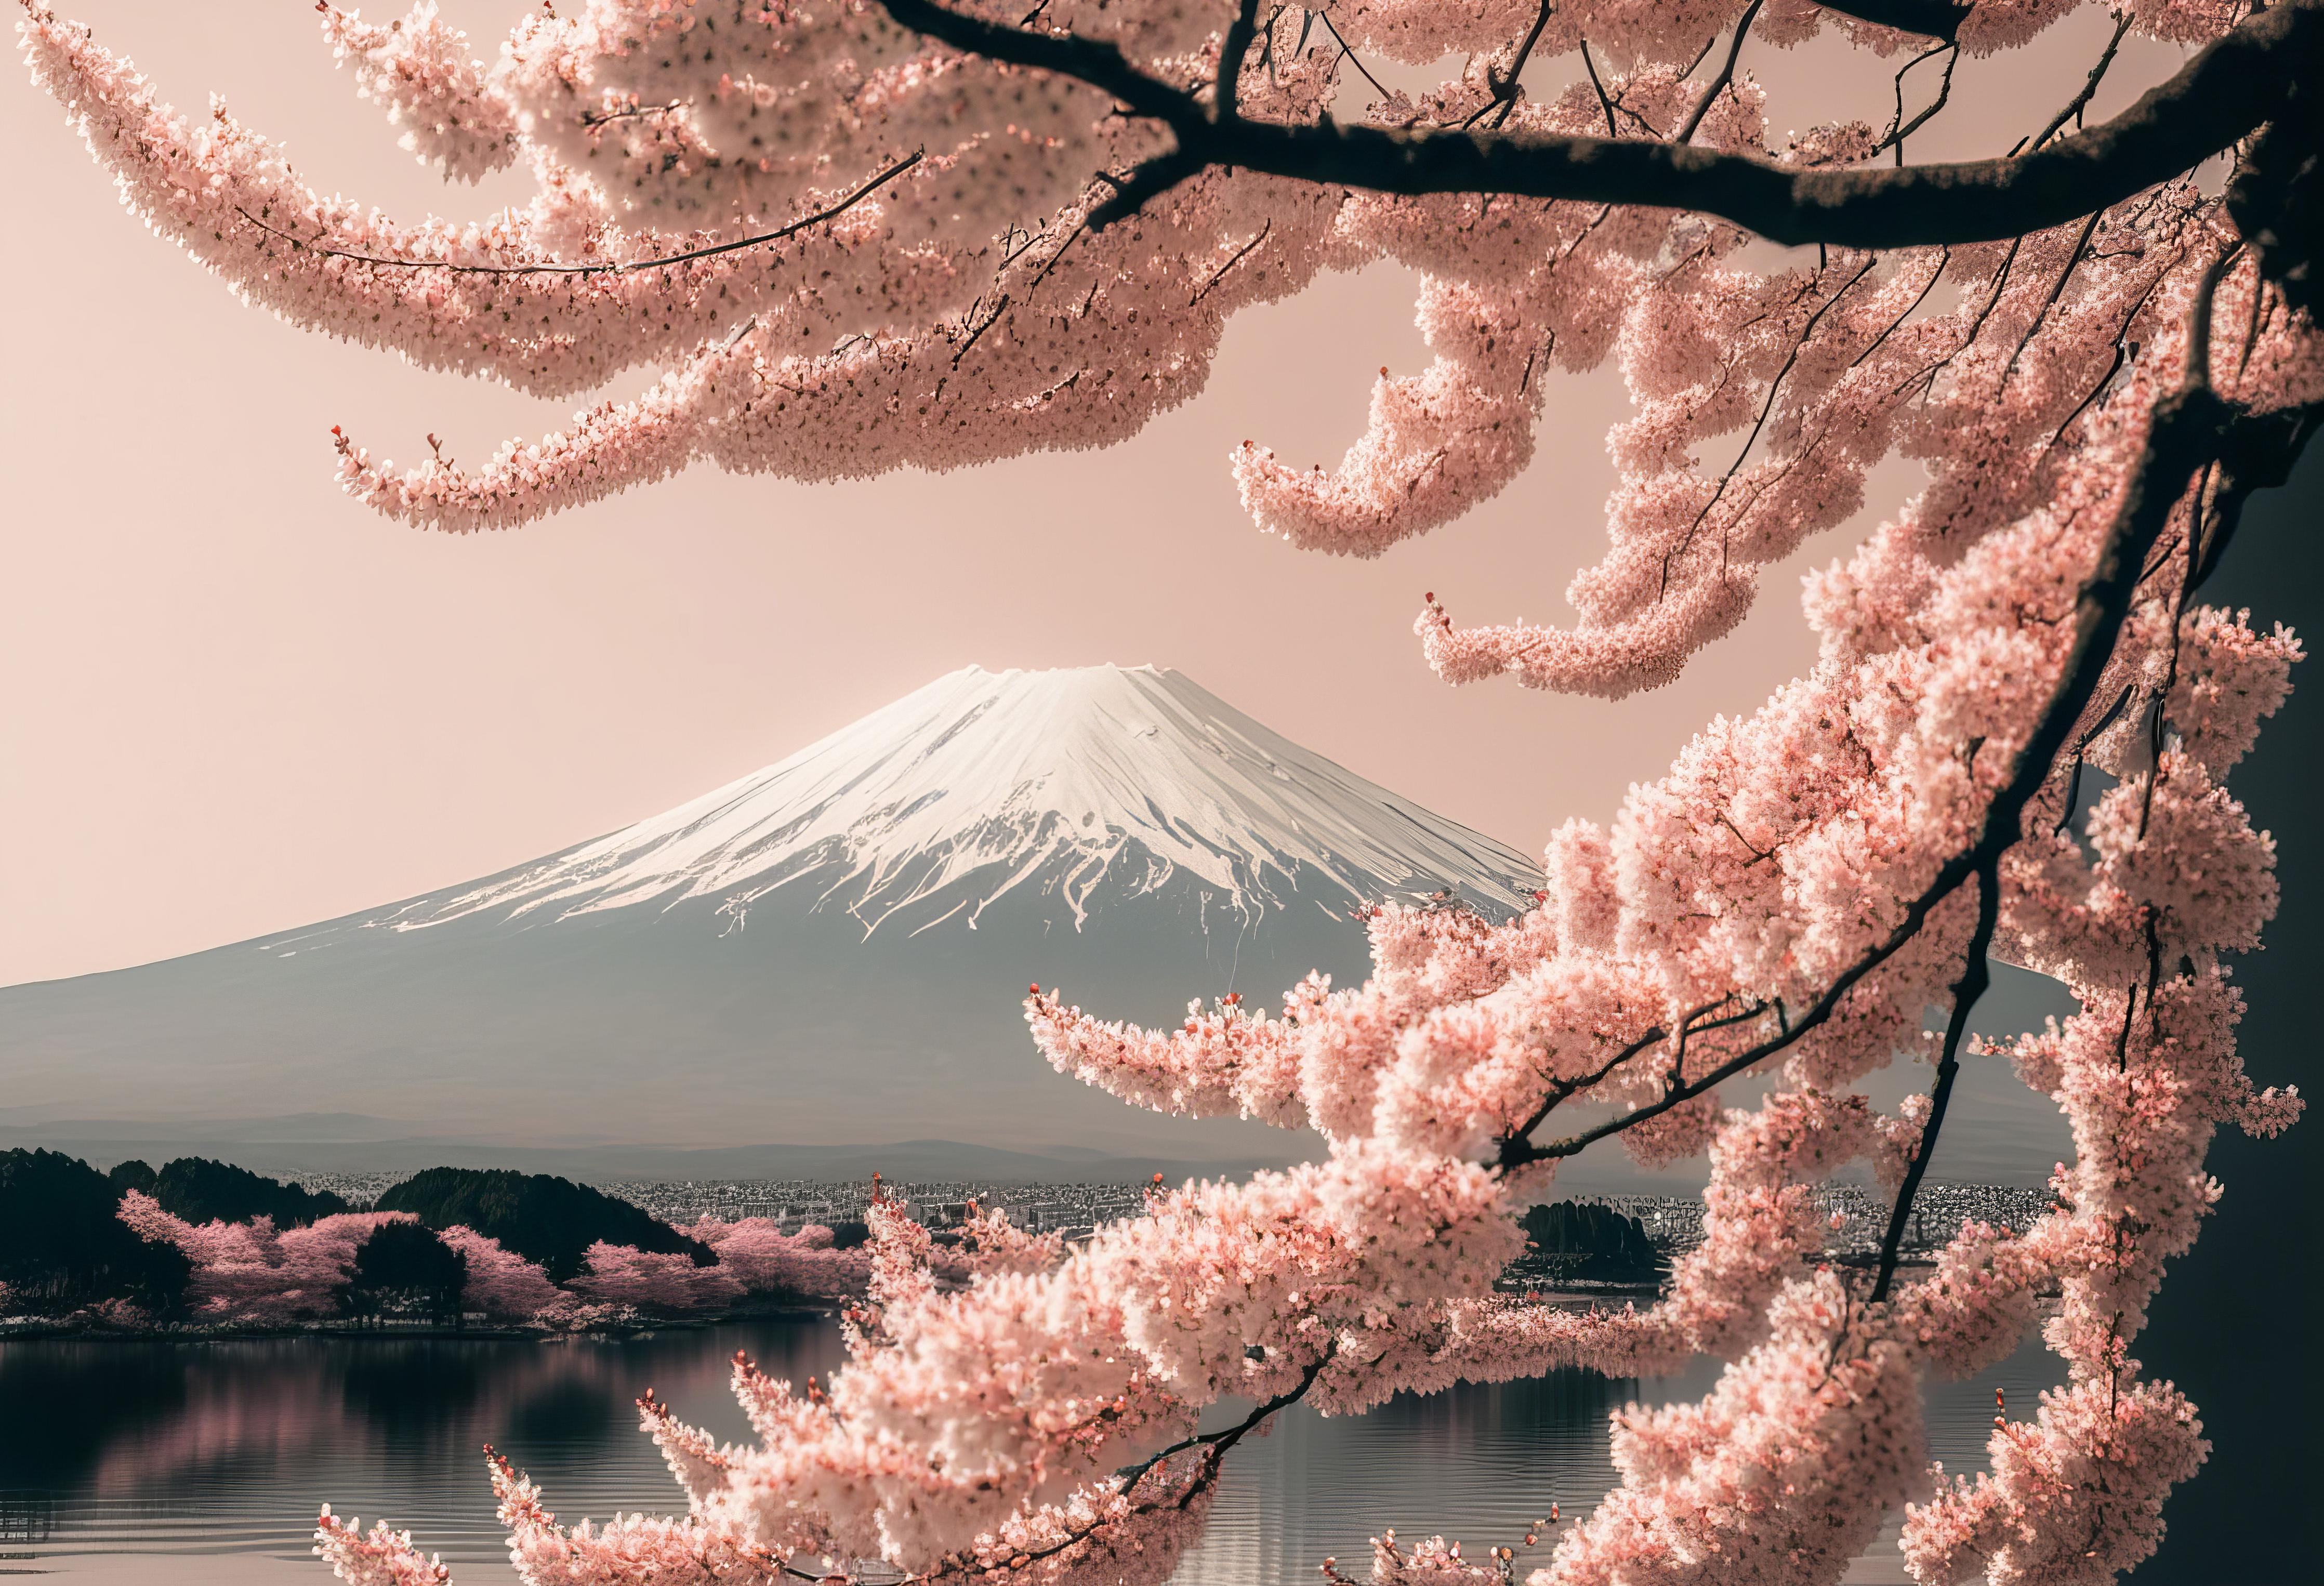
346 1143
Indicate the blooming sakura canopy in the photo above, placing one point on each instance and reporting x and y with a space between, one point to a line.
857 236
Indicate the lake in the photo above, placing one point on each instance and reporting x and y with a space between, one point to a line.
195 1464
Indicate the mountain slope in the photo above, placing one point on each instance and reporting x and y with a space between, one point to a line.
830 949
1091 785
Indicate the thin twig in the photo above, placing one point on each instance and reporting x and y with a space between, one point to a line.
691 254
1051 263
1590 66
1227 1437
1686 133
1348 52
977 335
1944 258
2057 289
1505 85
593 119
1240 254
2081 102
1976 977
1900 129
1774 388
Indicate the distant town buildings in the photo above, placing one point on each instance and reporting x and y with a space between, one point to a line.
1671 1224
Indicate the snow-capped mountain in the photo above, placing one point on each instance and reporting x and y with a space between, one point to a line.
832 948
1080 788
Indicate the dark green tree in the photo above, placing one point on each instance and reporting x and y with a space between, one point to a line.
405 1269
62 1244
132 1174
1595 1244
545 1218
199 1190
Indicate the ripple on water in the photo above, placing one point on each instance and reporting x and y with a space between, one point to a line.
214 1456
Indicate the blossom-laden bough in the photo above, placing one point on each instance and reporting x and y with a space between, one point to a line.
858 236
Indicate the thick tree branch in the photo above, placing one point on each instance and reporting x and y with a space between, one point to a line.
2226 91
1231 50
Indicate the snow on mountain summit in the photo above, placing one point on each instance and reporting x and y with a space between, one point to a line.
1072 786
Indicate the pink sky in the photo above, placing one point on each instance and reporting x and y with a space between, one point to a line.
237 702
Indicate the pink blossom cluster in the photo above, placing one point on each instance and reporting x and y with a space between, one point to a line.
762 1258
959 309
380 1557
652 1281
500 1284
419 69
248 1272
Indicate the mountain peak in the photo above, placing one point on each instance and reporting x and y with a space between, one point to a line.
1058 784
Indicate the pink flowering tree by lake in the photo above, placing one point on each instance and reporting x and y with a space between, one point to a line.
501 1285
853 235
765 1260
248 1272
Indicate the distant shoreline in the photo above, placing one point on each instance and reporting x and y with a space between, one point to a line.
45 1330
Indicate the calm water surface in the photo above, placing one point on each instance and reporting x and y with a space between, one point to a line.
197 1463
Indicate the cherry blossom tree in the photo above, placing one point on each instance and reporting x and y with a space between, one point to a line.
500 1284
860 235
648 1280
249 1273
765 1260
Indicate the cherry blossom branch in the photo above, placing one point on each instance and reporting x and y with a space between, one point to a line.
1514 1145
1899 129
1685 134
1226 1437
1976 979
1515 1148
2186 426
1505 85
2073 108
1239 256
2224 93
711 251
1590 65
1348 51
1231 50
597 119
1775 389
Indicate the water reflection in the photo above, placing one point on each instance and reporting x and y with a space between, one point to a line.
116 1457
